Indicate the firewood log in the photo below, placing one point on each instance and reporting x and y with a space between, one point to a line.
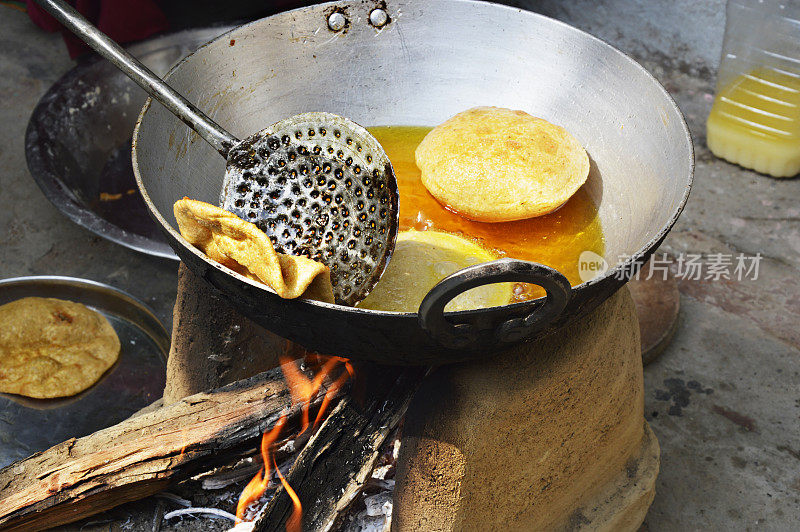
141 455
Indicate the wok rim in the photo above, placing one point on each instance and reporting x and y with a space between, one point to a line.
621 271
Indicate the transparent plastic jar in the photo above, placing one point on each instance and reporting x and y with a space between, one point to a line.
755 119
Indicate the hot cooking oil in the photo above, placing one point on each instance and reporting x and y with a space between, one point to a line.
755 122
556 239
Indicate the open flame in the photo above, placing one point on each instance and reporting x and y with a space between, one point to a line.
293 524
259 483
302 390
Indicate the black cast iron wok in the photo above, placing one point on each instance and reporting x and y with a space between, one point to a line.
428 61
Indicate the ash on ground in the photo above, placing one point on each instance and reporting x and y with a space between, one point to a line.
372 511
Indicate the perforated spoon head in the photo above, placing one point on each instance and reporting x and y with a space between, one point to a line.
321 186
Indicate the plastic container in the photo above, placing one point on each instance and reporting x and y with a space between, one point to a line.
755 119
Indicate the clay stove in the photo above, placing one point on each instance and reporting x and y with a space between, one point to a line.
550 436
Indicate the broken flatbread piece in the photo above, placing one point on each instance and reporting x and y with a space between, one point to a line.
53 348
247 250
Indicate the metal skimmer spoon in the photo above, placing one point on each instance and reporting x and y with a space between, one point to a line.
317 183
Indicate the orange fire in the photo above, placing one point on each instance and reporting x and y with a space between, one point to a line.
183 438
258 485
293 524
302 390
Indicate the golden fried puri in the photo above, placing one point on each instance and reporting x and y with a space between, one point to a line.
247 250
497 165
53 348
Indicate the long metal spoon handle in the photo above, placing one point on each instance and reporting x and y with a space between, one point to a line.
211 132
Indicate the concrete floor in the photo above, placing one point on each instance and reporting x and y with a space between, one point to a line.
723 399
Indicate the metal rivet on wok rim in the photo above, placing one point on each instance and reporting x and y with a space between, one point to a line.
336 21
378 17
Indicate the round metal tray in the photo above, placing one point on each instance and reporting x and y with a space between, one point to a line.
78 142
137 379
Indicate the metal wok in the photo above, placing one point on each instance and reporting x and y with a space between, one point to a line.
428 62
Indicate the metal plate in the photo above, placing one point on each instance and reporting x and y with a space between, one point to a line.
78 143
136 380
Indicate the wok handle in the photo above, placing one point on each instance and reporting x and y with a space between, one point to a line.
462 335
209 130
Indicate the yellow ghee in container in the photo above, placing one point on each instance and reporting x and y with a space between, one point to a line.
755 122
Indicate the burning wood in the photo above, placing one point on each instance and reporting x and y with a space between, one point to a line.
334 466
144 454
302 390
256 487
